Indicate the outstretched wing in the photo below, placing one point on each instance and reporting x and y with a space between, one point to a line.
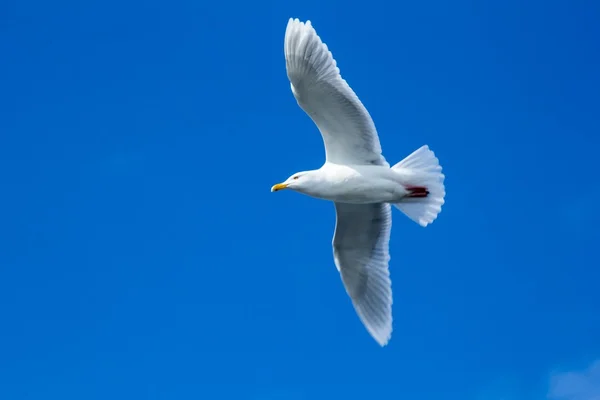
348 131
361 254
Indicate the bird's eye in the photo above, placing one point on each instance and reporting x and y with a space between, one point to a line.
295 178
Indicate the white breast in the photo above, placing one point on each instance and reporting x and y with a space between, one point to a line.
358 184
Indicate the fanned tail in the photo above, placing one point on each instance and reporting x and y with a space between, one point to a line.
426 194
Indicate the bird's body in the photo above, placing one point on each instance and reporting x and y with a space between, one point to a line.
357 178
358 184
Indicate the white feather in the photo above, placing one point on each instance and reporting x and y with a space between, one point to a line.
360 251
348 131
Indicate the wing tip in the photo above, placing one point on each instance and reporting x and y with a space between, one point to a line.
378 324
295 23
383 335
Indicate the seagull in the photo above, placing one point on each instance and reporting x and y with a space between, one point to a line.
357 178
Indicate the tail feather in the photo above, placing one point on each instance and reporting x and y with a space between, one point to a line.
426 191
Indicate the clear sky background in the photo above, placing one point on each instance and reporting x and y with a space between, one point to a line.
142 255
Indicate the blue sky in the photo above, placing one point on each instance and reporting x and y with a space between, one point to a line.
142 254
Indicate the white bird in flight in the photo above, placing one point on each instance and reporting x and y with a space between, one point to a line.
357 178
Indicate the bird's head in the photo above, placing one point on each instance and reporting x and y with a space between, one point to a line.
298 181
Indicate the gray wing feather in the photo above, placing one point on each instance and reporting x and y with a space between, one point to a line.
347 129
361 254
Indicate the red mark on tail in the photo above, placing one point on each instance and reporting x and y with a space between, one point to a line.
417 191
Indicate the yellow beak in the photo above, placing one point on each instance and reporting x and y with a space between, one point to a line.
279 186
